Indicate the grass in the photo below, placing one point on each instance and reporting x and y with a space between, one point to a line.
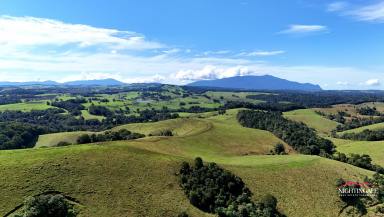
312 119
375 149
217 133
107 180
378 126
25 106
49 140
126 179
137 178
87 116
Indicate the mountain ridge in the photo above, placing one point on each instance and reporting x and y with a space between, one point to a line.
264 82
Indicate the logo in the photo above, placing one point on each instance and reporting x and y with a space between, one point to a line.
357 189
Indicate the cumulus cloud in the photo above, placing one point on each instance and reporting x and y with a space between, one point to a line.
262 53
304 29
211 72
373 82
22 31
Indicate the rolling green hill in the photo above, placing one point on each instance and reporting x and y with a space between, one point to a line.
375 149
378 126
312 119
121 179
138 178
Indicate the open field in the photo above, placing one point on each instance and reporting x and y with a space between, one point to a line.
375 149
312 119
88 116
26 106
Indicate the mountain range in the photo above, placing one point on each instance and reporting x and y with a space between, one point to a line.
265 82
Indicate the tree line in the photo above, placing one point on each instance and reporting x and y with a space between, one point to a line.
320 98
122 134
302 138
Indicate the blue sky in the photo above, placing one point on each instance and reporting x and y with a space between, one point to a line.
337 44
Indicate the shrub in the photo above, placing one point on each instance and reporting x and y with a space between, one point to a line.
47 206
279 149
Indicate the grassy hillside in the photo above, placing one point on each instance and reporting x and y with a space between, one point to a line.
220 133
26 106
137 178
49 140
378 126
313 120
375 149
121 179
106 180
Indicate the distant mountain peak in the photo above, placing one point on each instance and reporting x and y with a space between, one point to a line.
98 82
252 82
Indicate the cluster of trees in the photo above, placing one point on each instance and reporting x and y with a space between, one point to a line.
26 126
74 106
17 135
8 100
47 205
302 138
269 106
99 110
215 190
338 117
157 96
122 134
368 111
362 161
365 135
321 98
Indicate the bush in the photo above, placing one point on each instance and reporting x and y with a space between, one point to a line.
47 206
279 149
166 132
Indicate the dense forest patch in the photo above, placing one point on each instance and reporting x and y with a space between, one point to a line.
215 190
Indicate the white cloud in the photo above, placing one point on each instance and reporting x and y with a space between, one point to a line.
337 6
211 72
302 29
373 82
374 12
262 53
368 12
217 52
30 31
172 51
